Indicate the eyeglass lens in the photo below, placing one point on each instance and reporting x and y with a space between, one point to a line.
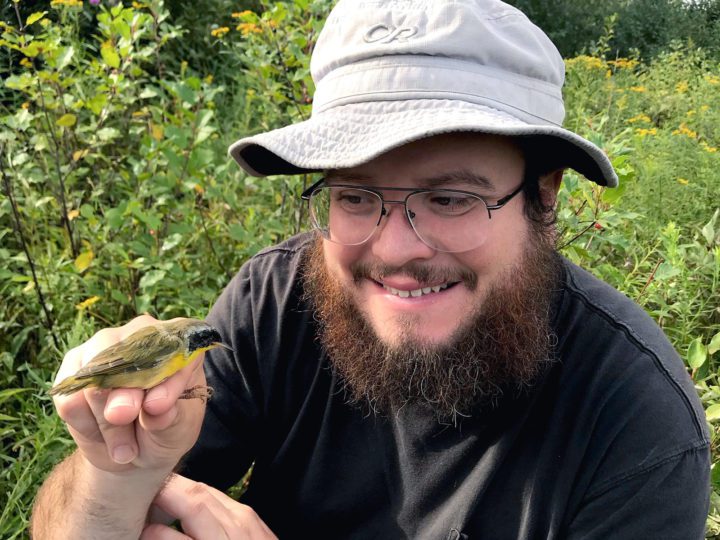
444 220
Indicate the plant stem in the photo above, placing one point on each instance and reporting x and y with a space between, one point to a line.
23 241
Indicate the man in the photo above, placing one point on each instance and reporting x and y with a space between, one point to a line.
425 365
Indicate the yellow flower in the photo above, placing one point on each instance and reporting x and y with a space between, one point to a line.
639 89
219 32
242 14
708 148
640 118
684 130
681 87
704 108
138 5
208 79
590 62
683 181
87 303
25 62
712 79
248 28
25 105
643 132
624 63
68 3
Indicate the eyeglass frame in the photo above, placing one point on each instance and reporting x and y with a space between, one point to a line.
307 194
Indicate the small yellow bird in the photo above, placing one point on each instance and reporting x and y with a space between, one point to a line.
146 358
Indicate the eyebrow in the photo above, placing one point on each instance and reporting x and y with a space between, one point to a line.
462 176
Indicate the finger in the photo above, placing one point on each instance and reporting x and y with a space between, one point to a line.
161 398
234 506
199 512
157 531
120 439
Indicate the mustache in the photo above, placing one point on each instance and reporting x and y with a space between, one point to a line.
423 273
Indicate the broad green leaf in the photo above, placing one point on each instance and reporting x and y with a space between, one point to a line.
108 133
67 120
83 260
64 57
712 413
666 271
171 241
697 353
708 231
110 55
35 17
152 277
714 344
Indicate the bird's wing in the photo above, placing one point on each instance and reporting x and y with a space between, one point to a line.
144 349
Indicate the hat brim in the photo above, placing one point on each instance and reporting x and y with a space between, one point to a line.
350 135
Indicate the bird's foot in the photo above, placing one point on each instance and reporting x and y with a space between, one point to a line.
203 393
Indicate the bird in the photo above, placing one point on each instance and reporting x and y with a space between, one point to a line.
146 358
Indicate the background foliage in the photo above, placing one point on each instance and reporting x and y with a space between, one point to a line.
118 198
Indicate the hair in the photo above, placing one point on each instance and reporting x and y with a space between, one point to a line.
542 156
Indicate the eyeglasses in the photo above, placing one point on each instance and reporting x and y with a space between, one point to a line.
448 220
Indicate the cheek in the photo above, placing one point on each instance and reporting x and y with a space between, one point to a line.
339 259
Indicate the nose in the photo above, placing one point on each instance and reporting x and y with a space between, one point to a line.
395 243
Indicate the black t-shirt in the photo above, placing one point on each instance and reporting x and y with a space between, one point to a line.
610 443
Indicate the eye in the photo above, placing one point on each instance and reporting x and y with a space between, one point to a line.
451 203
356 201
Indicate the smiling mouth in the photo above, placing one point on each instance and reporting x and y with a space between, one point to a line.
417 292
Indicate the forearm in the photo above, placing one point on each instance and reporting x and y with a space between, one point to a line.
79 501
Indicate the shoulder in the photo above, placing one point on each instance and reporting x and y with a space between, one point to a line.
633 388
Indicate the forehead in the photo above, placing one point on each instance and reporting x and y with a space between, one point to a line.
495 161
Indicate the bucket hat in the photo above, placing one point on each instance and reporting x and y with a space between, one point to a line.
388 72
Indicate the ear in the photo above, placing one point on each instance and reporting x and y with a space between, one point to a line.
549 185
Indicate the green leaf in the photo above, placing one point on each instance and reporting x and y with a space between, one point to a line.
171 241
152 277
66 120
82 262
708 231
35 17
108 133
666 271
110 55
64 57
697 353
119 297
712 413
714 344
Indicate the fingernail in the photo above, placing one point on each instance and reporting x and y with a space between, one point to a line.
123 454
159 392
122 401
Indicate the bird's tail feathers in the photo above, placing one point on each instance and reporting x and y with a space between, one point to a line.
69 385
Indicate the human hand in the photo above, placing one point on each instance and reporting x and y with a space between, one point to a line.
204 513
126 428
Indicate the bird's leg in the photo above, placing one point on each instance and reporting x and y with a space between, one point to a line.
203 393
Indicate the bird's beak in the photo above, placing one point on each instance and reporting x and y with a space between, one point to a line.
221 344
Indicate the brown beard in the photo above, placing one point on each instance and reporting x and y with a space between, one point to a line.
503 347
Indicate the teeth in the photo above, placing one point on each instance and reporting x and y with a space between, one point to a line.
415 293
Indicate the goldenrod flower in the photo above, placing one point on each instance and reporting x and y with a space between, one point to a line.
640 118
219 32
712 79
683 181
25 62
242 14
68 3
681 87
248 28
87 303
643 132
639 89
708 148
684 130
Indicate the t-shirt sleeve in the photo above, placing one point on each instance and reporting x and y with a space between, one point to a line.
224 450
260 314
669 501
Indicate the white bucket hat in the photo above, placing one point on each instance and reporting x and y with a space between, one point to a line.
388 72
